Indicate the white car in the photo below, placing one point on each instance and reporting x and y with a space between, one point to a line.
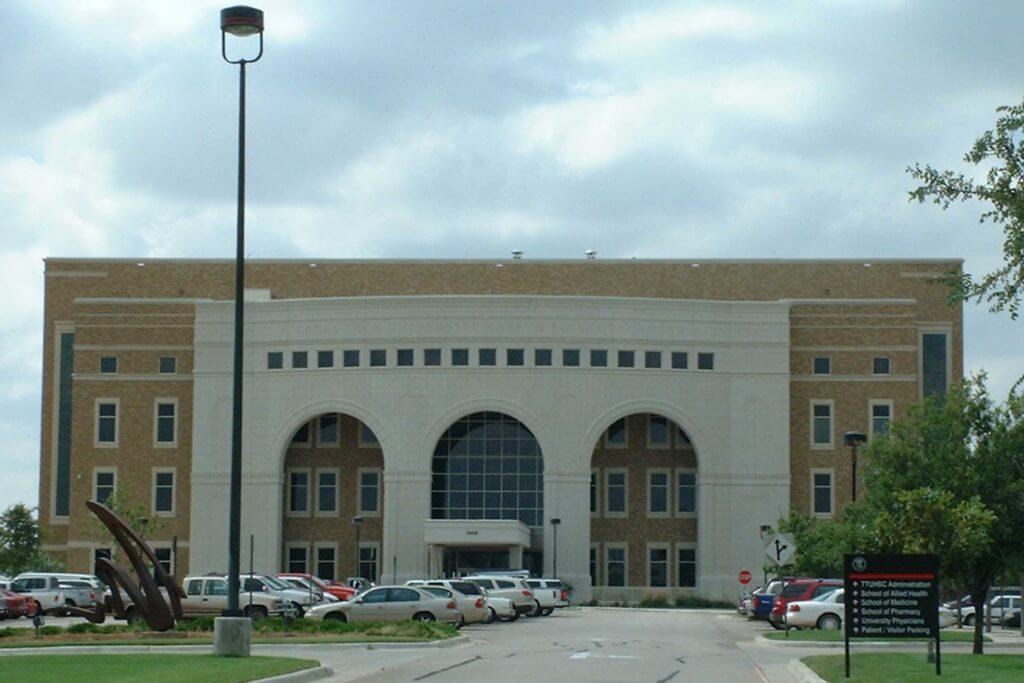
469 598
390 603
825 612
511 587
548 594
42 588
499 608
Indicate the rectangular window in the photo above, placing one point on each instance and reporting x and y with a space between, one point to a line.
431 357
325 359
594 509
405 358
368 561
108 365
298 492
300 360
593 565
327 430
488 357
460 357
821 424
658 432
686 567
350 358
934 360
165 415
514 357
615 564
680 360
598 358
570 358
106 422
168 365
325 562
378 358
326 492
615 493
367 439
705 361
652 359
542 357
657 493
657 566
275 360
627 359
106 554
163 493
65 361
881 417
104 482
617 435
686 492
821 492
369 492
881 365
297 559
163 557
822 365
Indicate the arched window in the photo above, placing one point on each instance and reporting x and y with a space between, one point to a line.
488 466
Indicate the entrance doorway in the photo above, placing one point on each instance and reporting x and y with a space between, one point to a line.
463 561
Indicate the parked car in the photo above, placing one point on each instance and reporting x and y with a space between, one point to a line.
359 584
499 608
825 612
1011 619
292 598
469 598
796 591
997 607
13 605
513 588
338 590
208 595
549 595
79 593
470 611
390 603
43 589
765 600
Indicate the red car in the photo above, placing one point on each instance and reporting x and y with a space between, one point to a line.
328 587
13 605
795 591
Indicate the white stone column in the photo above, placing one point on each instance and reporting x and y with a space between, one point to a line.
567 497
406 509
515 557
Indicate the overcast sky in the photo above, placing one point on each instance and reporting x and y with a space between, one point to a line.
468 129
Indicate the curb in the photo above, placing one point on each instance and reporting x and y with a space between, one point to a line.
885 644
206 647
804 673
313 674
668 610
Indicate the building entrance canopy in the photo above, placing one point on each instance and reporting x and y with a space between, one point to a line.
480 532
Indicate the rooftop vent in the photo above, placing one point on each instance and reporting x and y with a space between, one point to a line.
517 254
591 254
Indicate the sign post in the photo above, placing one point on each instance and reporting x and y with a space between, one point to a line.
891 596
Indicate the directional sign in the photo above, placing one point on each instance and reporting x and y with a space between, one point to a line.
745 577
780 549
892 596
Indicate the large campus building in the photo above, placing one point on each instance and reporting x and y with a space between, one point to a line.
661 411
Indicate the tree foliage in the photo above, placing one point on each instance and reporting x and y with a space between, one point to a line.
1001 152
20 542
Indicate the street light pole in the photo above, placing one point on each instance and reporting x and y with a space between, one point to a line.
239 21
852 439
555 521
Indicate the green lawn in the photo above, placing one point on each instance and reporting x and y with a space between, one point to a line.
149 668
910 668
837 637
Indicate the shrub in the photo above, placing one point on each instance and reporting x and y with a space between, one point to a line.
695 602
84 627
50 630
654 601
199 624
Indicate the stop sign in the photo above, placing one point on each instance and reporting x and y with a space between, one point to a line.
744 577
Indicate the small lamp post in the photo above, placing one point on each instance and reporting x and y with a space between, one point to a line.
555 521
357 522
852 440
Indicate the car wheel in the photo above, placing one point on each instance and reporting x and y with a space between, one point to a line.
535 612
255 613
491 616
829 622
548 611
423 616
778 626
335 616
969 620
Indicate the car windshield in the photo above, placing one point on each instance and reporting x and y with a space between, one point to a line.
436 590
793 590
274 583
466 587
826 597
774 588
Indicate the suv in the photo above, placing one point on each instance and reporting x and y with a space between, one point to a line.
42 588
206 595
548 594
302 581
469 597
797 591
511 587
295 599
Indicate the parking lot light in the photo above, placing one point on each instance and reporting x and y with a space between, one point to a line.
852 440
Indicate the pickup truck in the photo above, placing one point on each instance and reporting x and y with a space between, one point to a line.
206 595
79 593
548 594
43 590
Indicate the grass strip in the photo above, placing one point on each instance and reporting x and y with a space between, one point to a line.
816 636
155 668
905 667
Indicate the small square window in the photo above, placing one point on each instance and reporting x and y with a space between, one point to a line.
514 357
168 365
570 358
881 365
627 359
378 358
488 357
652 359
108 364
822 365
300 359
460 356
542 357
680 360
350 358
275 360
405 357
598 358
325 359
432 357
705 361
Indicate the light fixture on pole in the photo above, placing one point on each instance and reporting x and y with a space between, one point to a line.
357 522
555 521
852 440
239 21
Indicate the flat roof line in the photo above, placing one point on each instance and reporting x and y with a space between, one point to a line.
506 260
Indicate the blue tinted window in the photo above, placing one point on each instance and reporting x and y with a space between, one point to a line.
460 356
598 358
300 359
514 357
275 360
626 359
705 361
488 357
432 357
325 359
652 359
378 358
542 357
933 360
350 358
570 358
405 357
680 360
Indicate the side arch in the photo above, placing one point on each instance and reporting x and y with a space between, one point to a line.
304 414
585 449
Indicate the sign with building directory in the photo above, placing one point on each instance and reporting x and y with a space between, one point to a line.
891 596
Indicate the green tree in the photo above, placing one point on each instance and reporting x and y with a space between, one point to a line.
20 542
1002 192
823 542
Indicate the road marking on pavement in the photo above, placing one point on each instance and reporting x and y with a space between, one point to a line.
669 677
447 668
579 655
